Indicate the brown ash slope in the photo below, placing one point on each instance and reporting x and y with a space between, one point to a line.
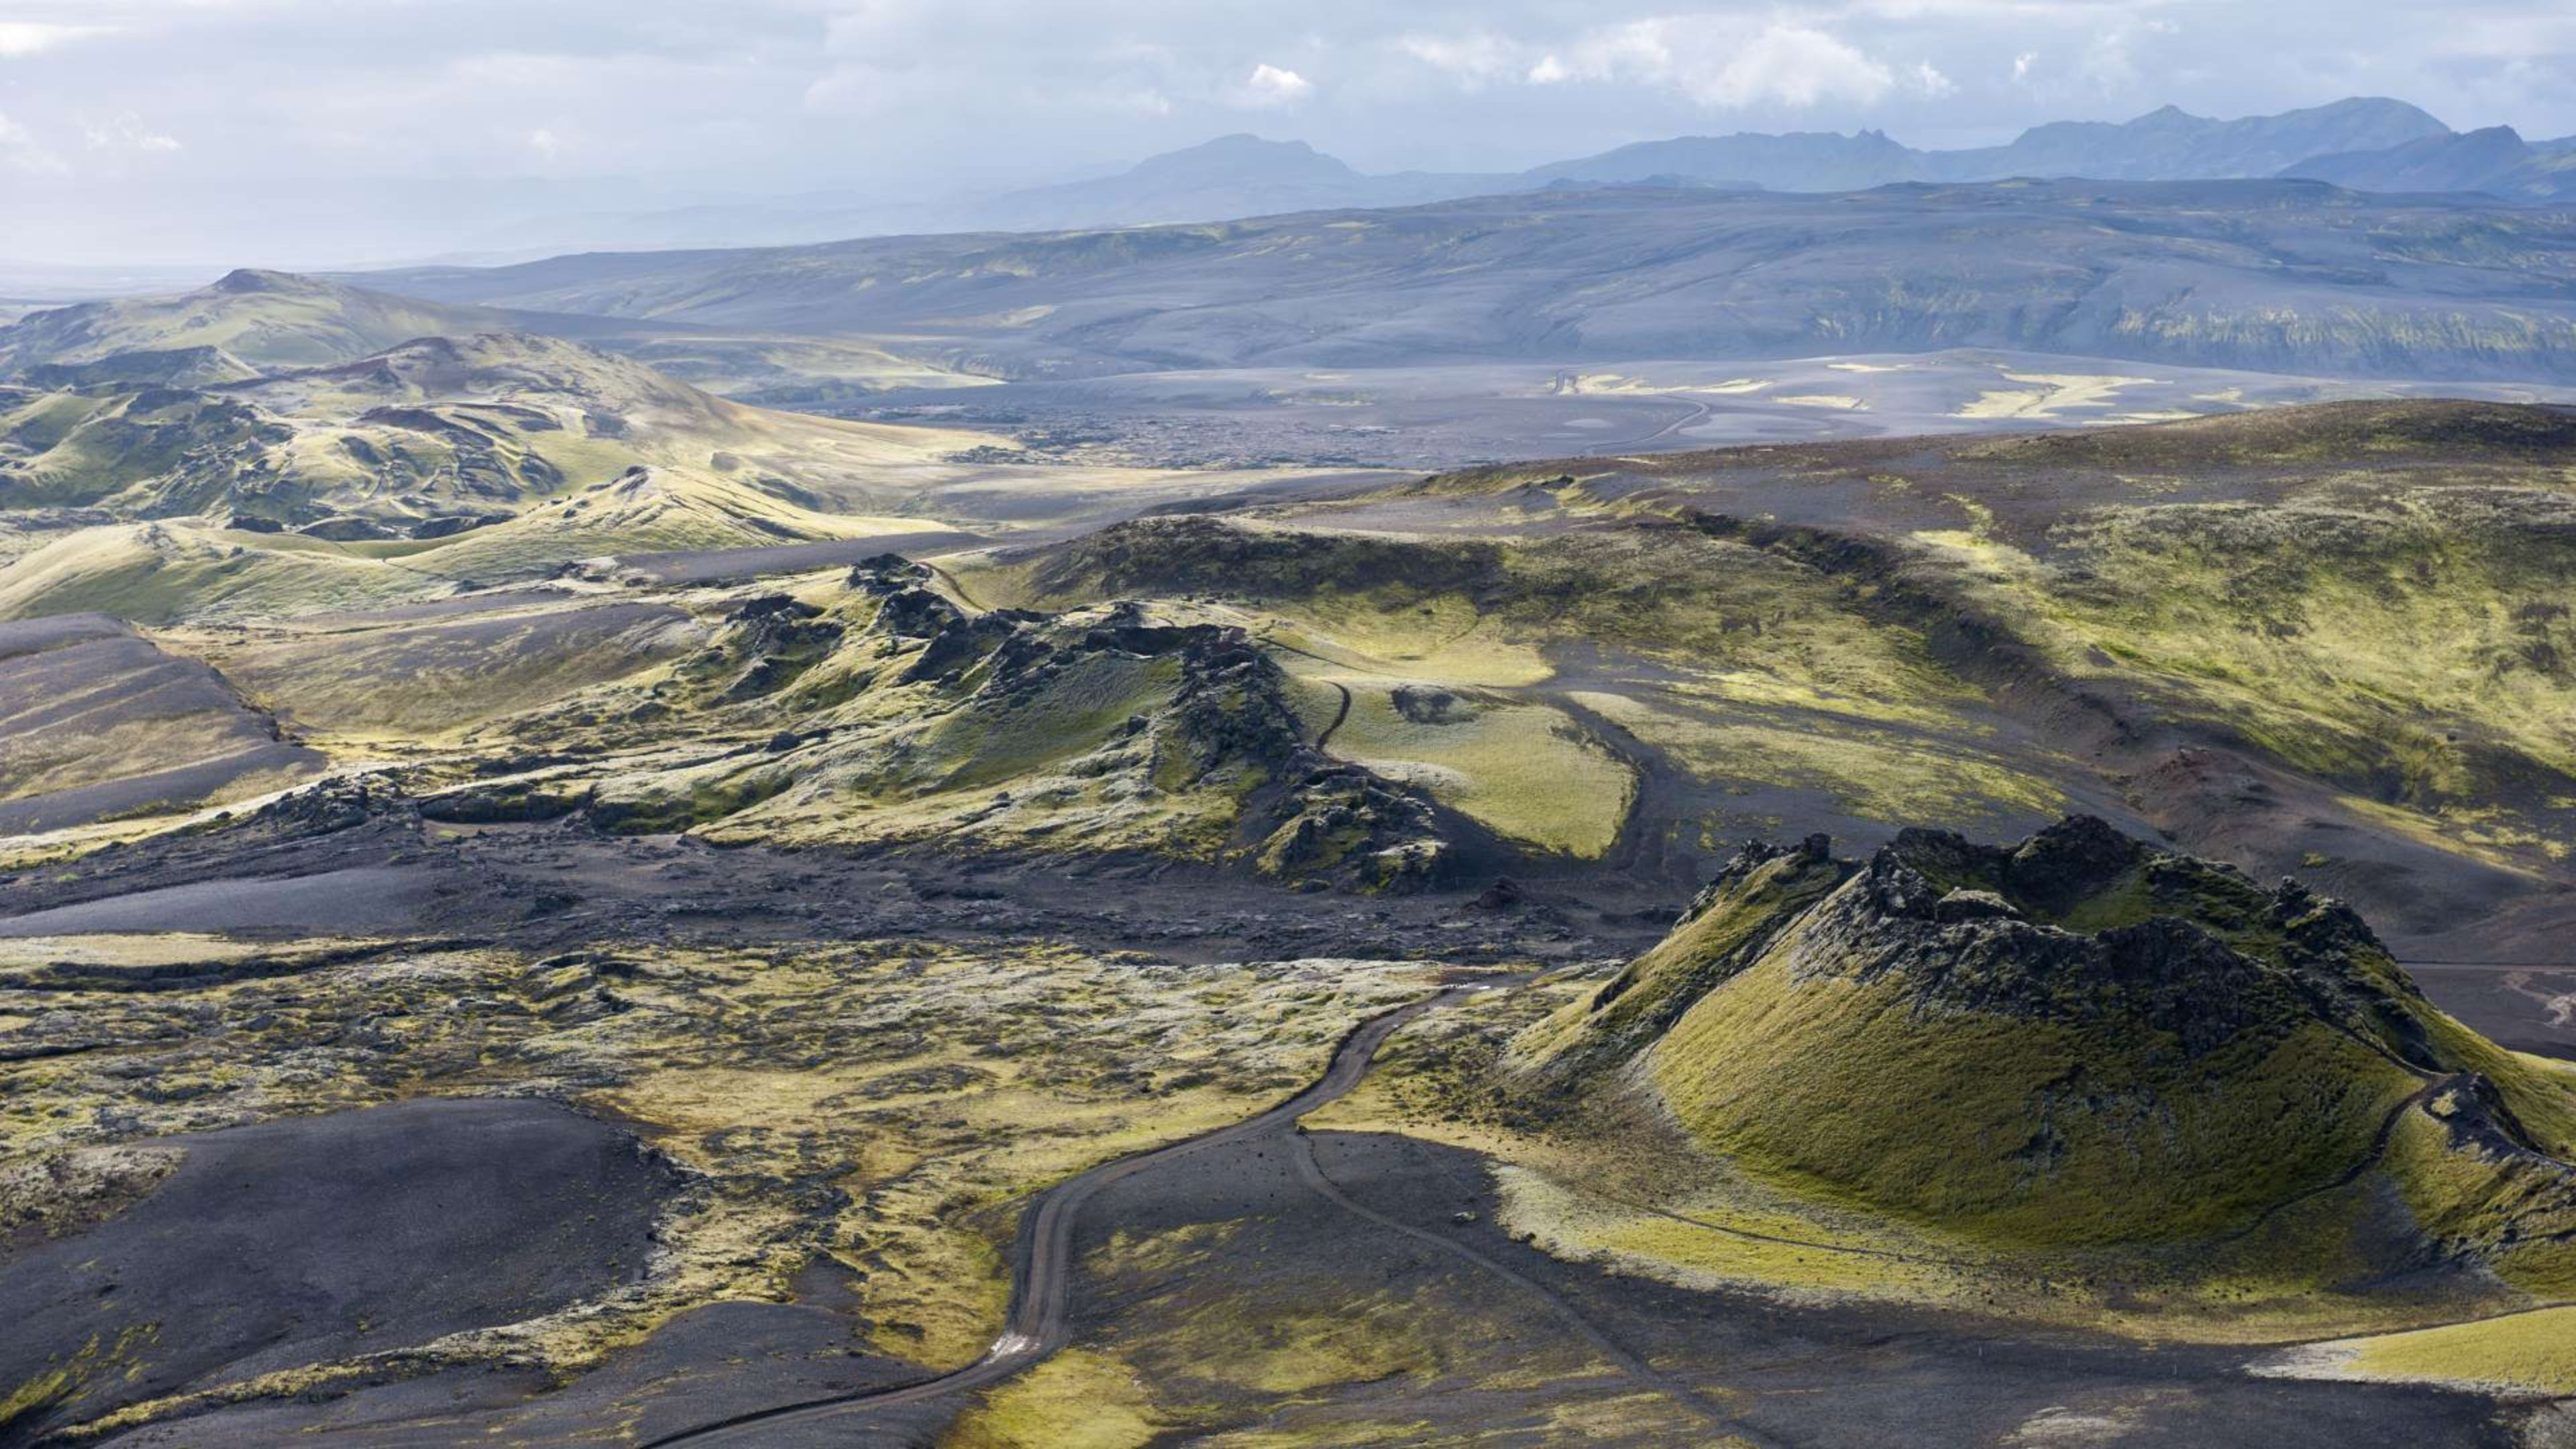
98 722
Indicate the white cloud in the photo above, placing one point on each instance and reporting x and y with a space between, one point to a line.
1724 64
22 153
1271 85
1472 60
868 26
125 132
2022 64
1549 70
857 88
2107 64
1137 102
1930 81
29 37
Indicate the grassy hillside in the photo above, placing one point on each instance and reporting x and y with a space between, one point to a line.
2098 1044
2326 640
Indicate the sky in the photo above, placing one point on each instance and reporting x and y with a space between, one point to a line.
305 132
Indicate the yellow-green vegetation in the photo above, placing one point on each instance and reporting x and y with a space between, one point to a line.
256 319
2411 645
1074 1400
861 708
1821 1083
1240 1337
444 460
154 573
1877 773
1746 623
455 673
792 371
99 723
2046 395
1742 665
2336 631
2014 1150
2531 1353
1075 759
865 709
2514 1212
884 1103
2366 593
2068 1114
1527 770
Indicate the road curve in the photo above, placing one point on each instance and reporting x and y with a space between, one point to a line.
1042 1279
1645 1375
1699 411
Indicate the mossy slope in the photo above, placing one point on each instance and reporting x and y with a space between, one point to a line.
2081 1042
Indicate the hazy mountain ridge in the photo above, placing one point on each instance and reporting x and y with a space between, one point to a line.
2262 275
2164 145
1242 175
2495 161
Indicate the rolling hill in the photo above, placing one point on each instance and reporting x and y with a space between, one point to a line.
119 416
248 323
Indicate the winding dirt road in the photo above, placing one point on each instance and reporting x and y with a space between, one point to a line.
1042 1280
1698 413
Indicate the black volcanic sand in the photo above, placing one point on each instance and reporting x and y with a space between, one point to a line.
2527 1008
360 900
1816 1378
315 1238
1288 1259
703 1365
558 886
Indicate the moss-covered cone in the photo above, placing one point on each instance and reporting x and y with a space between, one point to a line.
2082 1040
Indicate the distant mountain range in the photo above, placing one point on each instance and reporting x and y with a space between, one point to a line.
2165 145
2370 144
2265 275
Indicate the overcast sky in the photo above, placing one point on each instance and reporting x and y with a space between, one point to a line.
313 130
